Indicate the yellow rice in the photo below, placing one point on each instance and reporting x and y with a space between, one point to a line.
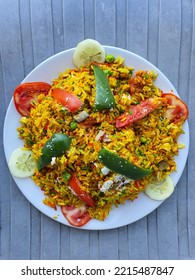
49 117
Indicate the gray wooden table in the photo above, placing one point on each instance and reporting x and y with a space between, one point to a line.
162 31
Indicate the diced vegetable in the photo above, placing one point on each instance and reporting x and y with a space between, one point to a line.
81 116
139 111
104 99
75 185
121 165
70 101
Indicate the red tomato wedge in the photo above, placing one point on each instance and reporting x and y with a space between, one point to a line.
75 185
139 111
27 93
177 110
67 99
77 217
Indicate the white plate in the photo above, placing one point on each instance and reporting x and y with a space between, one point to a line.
124 214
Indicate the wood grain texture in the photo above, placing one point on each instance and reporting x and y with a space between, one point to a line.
162 32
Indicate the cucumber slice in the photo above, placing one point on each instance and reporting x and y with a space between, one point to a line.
161 190
87 51
22 163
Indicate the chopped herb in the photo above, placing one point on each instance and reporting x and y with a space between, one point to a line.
146 76
108 72
84 167
143 140
73 125
60 121
66 176
63 110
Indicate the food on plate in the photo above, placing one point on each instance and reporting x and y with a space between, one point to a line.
22 163
104 98
176 109
160 190
69 101
102 135
87 51
54 147
122 166
26 94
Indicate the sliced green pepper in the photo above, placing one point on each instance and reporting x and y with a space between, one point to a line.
121 165
104 97
54 147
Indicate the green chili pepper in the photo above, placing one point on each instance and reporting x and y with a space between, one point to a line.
54 147
121 165
104 97
66 176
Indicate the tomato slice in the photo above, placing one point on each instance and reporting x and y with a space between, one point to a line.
75 185
177 110
70 101
76 216
25 94
138 111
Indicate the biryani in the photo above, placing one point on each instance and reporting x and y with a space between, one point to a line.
150 143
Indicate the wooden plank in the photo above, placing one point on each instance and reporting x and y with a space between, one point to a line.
5 219
138 240
93 245
35 233
152 235
105 22
169 39
26 36
153 31
12 61
11 56
108 244
121 23
79 244
191 162
73 23
137 27
183 90
42 33
58 29
50 239
123 250
169 50
65 242
88 17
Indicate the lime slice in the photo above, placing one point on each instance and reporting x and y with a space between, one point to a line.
87 51
22 163
161 190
